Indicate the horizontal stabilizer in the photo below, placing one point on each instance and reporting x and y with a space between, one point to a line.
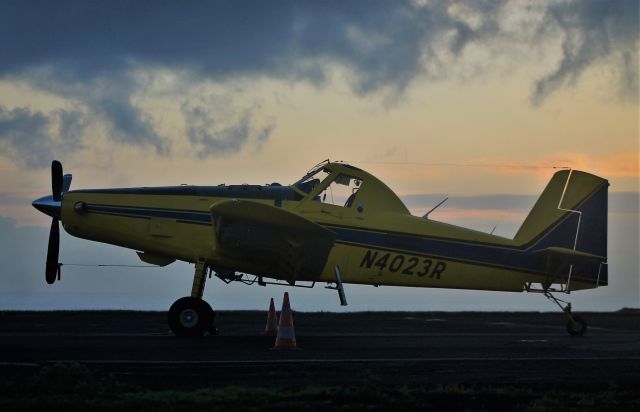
565 264
570 255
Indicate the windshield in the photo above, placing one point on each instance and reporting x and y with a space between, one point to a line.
341 191
311 179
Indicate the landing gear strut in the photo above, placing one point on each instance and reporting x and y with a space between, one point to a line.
576 326
190 315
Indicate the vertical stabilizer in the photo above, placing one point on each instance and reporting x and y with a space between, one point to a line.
571 214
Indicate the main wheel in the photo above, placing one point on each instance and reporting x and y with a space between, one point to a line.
577 327
190 317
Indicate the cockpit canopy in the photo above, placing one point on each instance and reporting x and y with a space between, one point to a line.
341 184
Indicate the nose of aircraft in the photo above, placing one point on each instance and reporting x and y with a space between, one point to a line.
48 206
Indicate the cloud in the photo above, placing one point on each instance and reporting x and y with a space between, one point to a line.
593 31
111 107
88 54
102 100
382 43
220 131
36 137
127 123
385 44
25 133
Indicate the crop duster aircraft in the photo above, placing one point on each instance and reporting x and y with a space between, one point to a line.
298 234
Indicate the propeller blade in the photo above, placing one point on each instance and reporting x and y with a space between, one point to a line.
53 267
56 180
66 183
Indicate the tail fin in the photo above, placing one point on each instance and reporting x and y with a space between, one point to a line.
569 223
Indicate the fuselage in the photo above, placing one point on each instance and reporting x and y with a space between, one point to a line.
377 240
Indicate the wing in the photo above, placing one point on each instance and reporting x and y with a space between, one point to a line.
268 240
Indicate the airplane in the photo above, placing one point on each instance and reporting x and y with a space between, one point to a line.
340 225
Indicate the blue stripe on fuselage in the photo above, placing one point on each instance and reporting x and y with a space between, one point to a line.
454 250
510 257
183 215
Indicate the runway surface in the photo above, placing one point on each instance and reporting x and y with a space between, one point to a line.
395 348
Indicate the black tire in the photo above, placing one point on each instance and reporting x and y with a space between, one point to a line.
578 327
190 317
212 323
210 318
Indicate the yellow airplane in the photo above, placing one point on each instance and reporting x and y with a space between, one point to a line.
337 224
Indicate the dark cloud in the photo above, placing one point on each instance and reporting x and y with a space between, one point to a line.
105 99
593 31
85 50
215 134
127 123
71 126
383 42
92 38
25 134
37 137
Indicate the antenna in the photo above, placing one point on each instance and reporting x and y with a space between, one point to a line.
496 225
426 215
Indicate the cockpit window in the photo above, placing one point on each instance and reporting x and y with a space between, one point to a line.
341 191
312 179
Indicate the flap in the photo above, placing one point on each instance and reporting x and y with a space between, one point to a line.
269 240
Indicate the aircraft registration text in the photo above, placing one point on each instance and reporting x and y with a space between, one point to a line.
407 265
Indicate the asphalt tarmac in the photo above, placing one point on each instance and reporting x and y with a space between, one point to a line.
390 348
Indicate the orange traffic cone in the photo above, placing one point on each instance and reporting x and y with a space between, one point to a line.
286 338
272 320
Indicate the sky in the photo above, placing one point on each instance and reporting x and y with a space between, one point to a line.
475 100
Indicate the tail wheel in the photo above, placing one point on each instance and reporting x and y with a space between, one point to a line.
577 326
190 317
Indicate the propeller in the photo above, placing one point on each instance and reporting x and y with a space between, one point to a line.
52 271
